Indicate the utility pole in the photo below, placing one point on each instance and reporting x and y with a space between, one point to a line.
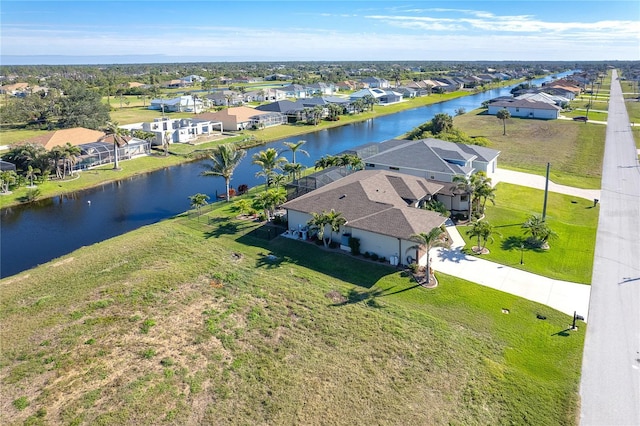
546 192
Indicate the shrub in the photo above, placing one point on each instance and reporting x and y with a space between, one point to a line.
374 256
21 403
367 255
382 259
148 353
354 244
146 325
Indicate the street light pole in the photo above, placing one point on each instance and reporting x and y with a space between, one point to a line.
522 254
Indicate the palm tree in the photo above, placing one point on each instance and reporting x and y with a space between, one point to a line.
335 221
482 230
31 173
485 192
295 147
503 115
118 134
425 242
225 158
269 200
55 155
270 161
326 161
166 140
320 221
70 157
540 231
198 201
7 178
293 169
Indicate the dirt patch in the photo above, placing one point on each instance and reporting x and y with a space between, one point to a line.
335 296
63 262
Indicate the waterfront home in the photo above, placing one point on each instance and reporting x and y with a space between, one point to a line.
382 210
75 136
186 103
525 108
240 118
181 130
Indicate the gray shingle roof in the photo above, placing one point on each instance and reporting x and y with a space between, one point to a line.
376 201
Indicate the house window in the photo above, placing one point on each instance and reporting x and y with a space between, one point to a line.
464 198
517 109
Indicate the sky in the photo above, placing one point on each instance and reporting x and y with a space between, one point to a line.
61 32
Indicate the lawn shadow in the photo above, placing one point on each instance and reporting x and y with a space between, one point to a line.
271 260
222 226
332 262
513 243
564 333
399 291
358 296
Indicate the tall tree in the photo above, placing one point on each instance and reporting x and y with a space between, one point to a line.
69 158
118 135
225 158
539 230
503 115
269 200
441 123
295 147
425 242
326 161
270 162
82 107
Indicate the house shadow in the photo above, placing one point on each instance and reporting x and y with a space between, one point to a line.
332 262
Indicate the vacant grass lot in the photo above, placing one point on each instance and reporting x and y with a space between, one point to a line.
188 323
575 220
574 149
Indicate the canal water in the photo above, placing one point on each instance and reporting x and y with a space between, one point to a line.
39 232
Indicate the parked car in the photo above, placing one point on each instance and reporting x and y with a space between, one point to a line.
580 118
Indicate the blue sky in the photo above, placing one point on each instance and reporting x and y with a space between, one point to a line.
327 30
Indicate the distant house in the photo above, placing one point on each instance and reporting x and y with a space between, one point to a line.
185 103
383 97
225 98
293 110
321 88
265 95
192 79
525 108
240 118
381 208
375 83
294 91
175 84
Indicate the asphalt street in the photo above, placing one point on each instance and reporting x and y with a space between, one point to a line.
610 384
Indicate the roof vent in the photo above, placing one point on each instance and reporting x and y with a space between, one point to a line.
343 196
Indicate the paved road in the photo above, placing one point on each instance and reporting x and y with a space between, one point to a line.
610 385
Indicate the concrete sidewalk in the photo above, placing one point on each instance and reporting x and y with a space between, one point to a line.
538 182
563 296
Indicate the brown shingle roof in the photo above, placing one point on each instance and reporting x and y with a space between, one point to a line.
376 201
75 136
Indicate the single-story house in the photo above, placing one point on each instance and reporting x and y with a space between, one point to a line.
102 151
226 98
526 109
293 110
544 97
240 118
75 136
381 208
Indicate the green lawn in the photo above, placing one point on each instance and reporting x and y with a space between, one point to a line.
183 322
575 220
574 149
